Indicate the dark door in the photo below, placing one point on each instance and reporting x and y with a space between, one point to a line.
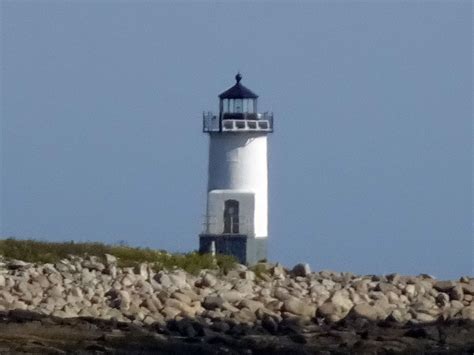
231 217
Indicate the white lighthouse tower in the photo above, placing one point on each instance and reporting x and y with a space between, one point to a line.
236 221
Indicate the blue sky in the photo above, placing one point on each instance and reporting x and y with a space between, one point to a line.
370 162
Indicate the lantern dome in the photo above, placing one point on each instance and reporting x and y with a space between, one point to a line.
238 91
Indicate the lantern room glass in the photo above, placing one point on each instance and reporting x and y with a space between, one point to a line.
238 105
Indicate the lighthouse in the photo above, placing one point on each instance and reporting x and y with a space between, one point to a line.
236 218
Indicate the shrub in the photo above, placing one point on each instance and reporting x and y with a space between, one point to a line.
47 252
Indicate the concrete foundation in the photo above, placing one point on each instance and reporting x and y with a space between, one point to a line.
247 250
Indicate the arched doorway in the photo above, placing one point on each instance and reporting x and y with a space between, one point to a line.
231 217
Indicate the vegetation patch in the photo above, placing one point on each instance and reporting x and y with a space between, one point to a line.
35 251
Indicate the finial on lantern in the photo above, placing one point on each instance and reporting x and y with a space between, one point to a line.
238 77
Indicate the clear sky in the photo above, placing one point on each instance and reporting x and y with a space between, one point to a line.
370 162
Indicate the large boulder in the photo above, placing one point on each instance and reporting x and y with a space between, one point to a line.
364 310
296 306
301 270
444 286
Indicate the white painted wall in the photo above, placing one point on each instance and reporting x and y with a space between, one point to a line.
238 161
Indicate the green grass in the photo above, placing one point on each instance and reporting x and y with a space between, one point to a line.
47 252
260 269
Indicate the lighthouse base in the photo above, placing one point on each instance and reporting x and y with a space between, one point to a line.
247 250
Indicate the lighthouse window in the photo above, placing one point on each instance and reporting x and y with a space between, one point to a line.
231 217
238 106
250 106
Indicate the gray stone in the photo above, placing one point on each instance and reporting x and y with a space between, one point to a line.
125 299
163 279
364 310
298 307
342 301
442 299
18 265
425 318
328 311
185 309
468 313
232 296
208 280
245 315
386 287
178 279
143 270
247 275
181 297
301 270
281 293
444 286
399 316
110 259
468 288
251 304
457 293
212 302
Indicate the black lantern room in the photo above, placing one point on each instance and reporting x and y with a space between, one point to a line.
238 112
238 102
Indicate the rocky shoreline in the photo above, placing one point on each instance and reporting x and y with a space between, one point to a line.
101 307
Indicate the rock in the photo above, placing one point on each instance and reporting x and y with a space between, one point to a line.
212 302
393 278
364 310
342 301
456 304
178 279
181 297
329 312
23 315
251 304
468 313
245 315
457 293
281 294
2 281
278 271
410 290
128 280
93 264
170 312
425 318
232 296
248 275
229 307
442 299
125 300
208 280
18 265
270 324
163 279
301 270
87 276
386 287
298 307
399 316
468 288
55 278
18 305
444 286
143 270
110 259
